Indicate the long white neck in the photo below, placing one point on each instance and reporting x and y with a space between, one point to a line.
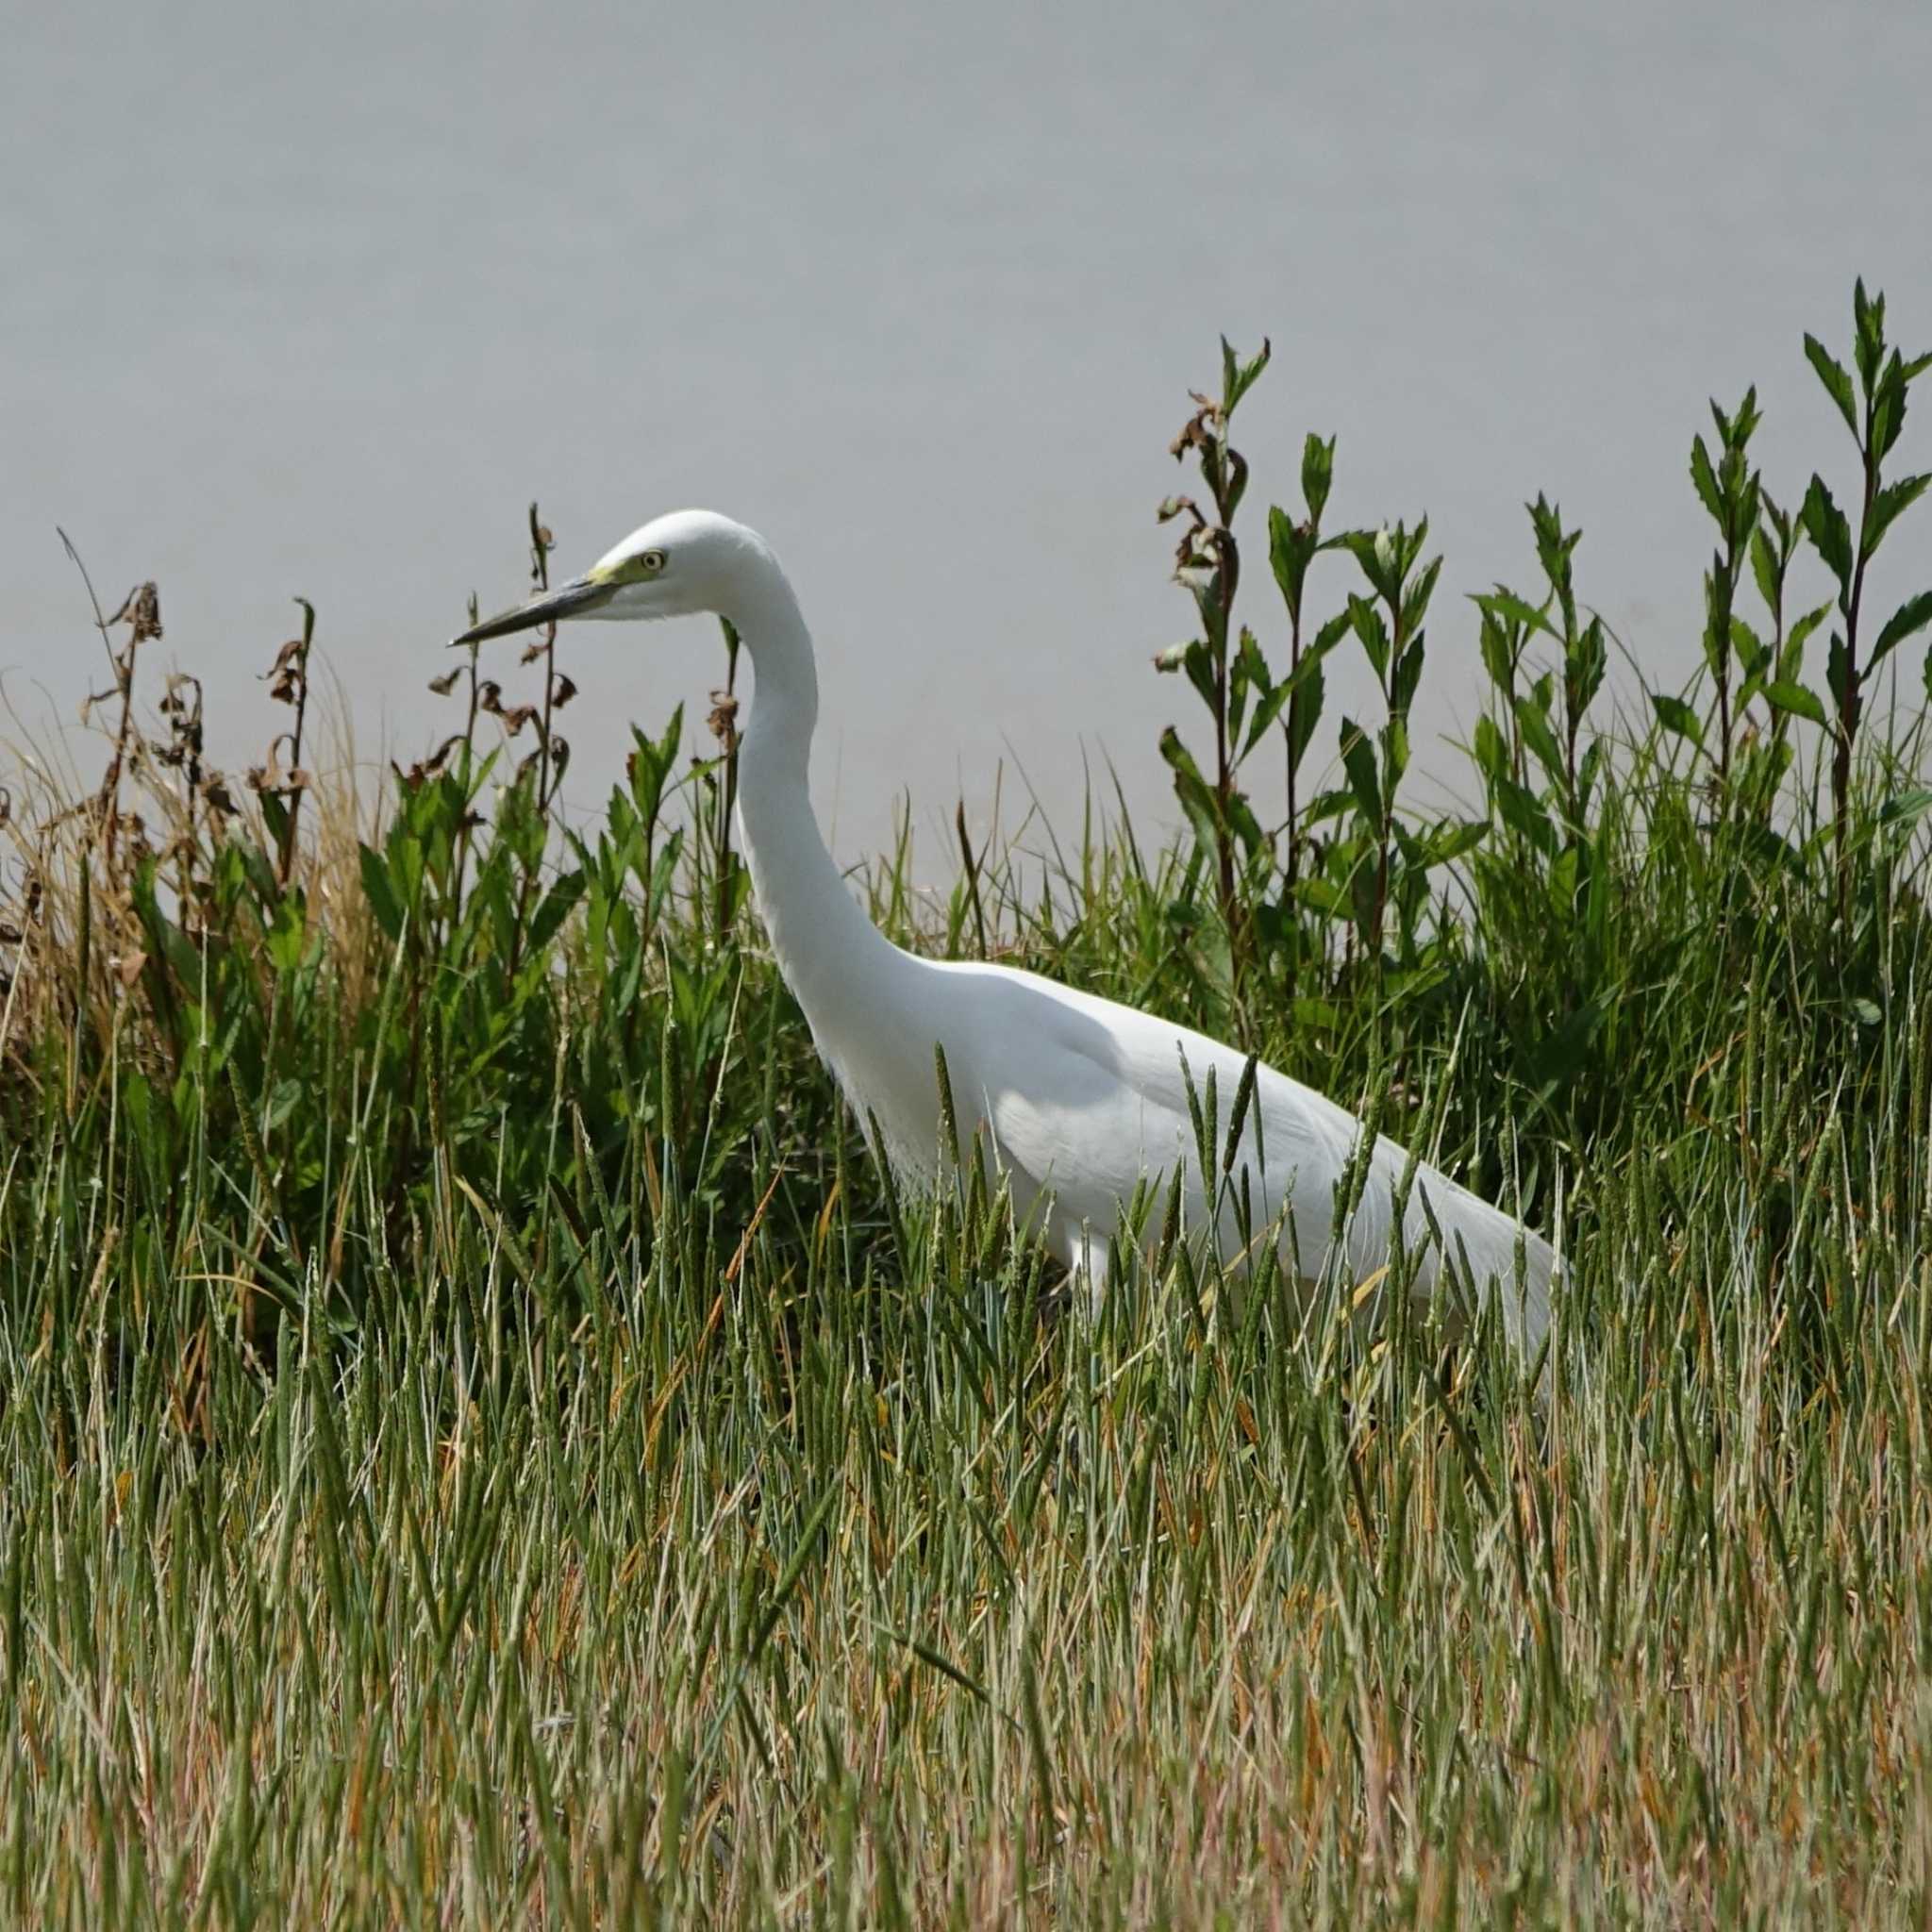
832 956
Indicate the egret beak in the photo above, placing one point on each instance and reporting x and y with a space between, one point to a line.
574 599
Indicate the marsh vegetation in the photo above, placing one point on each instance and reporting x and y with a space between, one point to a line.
483 1440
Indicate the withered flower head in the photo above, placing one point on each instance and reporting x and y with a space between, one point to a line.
142 612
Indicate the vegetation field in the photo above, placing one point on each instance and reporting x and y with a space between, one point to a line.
483 1442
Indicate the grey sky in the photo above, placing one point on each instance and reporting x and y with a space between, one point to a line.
315 300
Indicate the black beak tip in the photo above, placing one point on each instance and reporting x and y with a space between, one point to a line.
567 601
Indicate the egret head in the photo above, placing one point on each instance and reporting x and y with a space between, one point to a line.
677 565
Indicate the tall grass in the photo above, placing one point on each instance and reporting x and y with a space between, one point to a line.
482 1440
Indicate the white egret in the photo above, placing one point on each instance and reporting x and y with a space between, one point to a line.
1078 1097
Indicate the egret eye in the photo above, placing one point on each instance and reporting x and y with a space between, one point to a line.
651 562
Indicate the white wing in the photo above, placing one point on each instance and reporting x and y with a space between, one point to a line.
1083 1097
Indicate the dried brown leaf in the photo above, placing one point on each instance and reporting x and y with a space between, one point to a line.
140 610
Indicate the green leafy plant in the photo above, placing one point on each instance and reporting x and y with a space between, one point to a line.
1874 410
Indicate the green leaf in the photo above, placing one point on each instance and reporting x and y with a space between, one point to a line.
1248 674
1674 715
286 939
1328 805
1305 708
381 894
1318 895
1451 839
1329 635
1706 479
1717 628
1521 812
1265 714
1868 319
274 815
1533 721
1838 671
1499 644
1358 761
1506 606
1247 827
1888 407
1415 602
1361 896
1739 430
1182 761
1906 808
1290 549
1587 768
1830 535
1238 378
1911 617
1770 849
1795 640
1764 567
1796 700
1751 650
1492 748
649 765
1892 502
1318 475
1372 632
1394 737
1409 674
554 909
1586 665
1197 660
1835 378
